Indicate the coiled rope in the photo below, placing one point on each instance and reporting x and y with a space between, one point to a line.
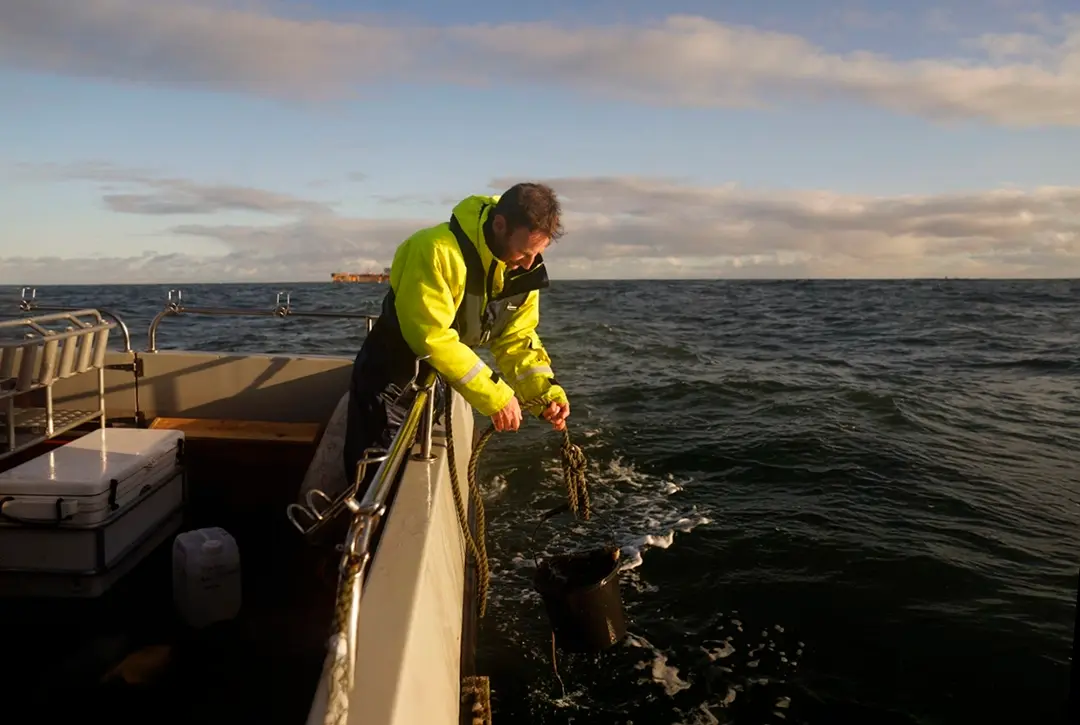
573 469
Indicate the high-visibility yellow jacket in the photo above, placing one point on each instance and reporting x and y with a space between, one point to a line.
445 312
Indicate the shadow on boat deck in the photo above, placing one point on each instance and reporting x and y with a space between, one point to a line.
128 657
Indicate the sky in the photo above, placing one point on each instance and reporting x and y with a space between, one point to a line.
275 140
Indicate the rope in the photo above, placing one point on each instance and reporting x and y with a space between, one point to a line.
340 684
577 493
573 467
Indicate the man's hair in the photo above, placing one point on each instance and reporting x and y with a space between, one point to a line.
533 206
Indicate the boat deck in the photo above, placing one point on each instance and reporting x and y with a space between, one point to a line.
127 656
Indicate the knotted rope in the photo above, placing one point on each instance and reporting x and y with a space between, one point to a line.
573 468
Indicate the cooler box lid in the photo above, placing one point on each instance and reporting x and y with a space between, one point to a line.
88 465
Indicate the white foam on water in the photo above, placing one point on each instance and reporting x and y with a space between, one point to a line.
494 488
520 561
633 550
662 673
632 510
639 511
670 487
574 699
700 715
724 650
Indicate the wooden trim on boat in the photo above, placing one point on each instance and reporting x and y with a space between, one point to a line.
243 430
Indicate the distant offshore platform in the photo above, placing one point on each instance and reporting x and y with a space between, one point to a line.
346 277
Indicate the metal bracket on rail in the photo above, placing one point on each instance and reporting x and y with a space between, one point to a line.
28 303
320 509
174 306
318 516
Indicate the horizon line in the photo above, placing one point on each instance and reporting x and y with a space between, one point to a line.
948 278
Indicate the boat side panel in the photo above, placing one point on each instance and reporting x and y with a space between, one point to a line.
224 386
409 639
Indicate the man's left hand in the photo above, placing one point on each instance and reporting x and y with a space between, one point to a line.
556 414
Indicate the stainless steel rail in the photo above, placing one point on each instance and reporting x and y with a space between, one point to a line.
174 307
29 303
369 511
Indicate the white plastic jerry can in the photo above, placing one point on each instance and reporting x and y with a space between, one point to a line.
206 576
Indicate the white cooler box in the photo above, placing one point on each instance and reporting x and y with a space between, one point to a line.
74 520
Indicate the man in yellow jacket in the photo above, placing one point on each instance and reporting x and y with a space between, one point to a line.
474 280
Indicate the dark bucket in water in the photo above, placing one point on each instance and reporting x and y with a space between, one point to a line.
581 594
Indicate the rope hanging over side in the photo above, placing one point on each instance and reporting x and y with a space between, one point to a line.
340 678
573 468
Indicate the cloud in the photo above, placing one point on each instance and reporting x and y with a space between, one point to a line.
819 233
321 238
171 197
632 227
683 60
165 196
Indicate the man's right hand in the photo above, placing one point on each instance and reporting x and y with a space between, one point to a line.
509 418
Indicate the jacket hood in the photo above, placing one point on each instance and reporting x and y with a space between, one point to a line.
471 213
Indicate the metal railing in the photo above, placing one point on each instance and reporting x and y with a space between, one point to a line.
28 303
175 307
369 511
